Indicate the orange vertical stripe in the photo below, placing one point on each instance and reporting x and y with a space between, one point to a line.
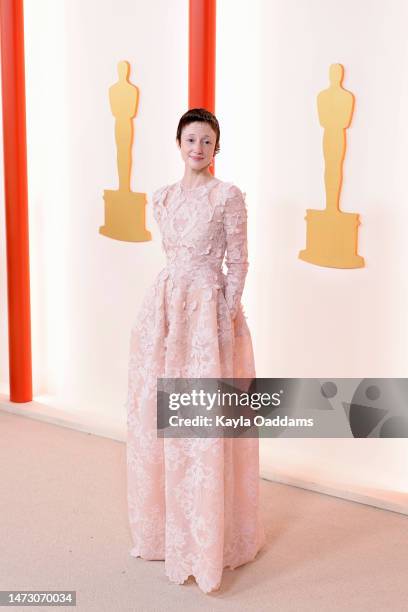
15 187
201 66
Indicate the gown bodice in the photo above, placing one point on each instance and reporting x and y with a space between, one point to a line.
201 226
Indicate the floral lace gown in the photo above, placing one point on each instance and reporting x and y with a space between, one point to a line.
193 503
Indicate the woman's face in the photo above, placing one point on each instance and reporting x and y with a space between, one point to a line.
197 145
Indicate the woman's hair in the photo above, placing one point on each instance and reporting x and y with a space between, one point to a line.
199 114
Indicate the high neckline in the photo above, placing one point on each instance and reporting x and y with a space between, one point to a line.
199 186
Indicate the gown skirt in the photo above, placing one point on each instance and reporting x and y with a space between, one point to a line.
193 502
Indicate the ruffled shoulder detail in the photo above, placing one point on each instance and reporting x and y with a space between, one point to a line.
235 207
233 191
158 199
230 191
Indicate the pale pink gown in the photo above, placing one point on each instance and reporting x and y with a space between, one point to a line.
193 503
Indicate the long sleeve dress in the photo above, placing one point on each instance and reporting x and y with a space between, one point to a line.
193 503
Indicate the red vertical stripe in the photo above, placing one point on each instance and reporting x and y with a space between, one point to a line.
15 186
201 67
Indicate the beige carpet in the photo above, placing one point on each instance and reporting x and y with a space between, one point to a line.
63 525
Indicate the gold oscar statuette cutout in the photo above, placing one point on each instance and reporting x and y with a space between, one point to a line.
331 235
124 209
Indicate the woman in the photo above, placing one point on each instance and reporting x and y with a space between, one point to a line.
193 502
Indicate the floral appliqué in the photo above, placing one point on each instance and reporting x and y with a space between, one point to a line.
193 503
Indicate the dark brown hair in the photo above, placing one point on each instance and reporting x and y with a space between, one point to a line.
203 115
